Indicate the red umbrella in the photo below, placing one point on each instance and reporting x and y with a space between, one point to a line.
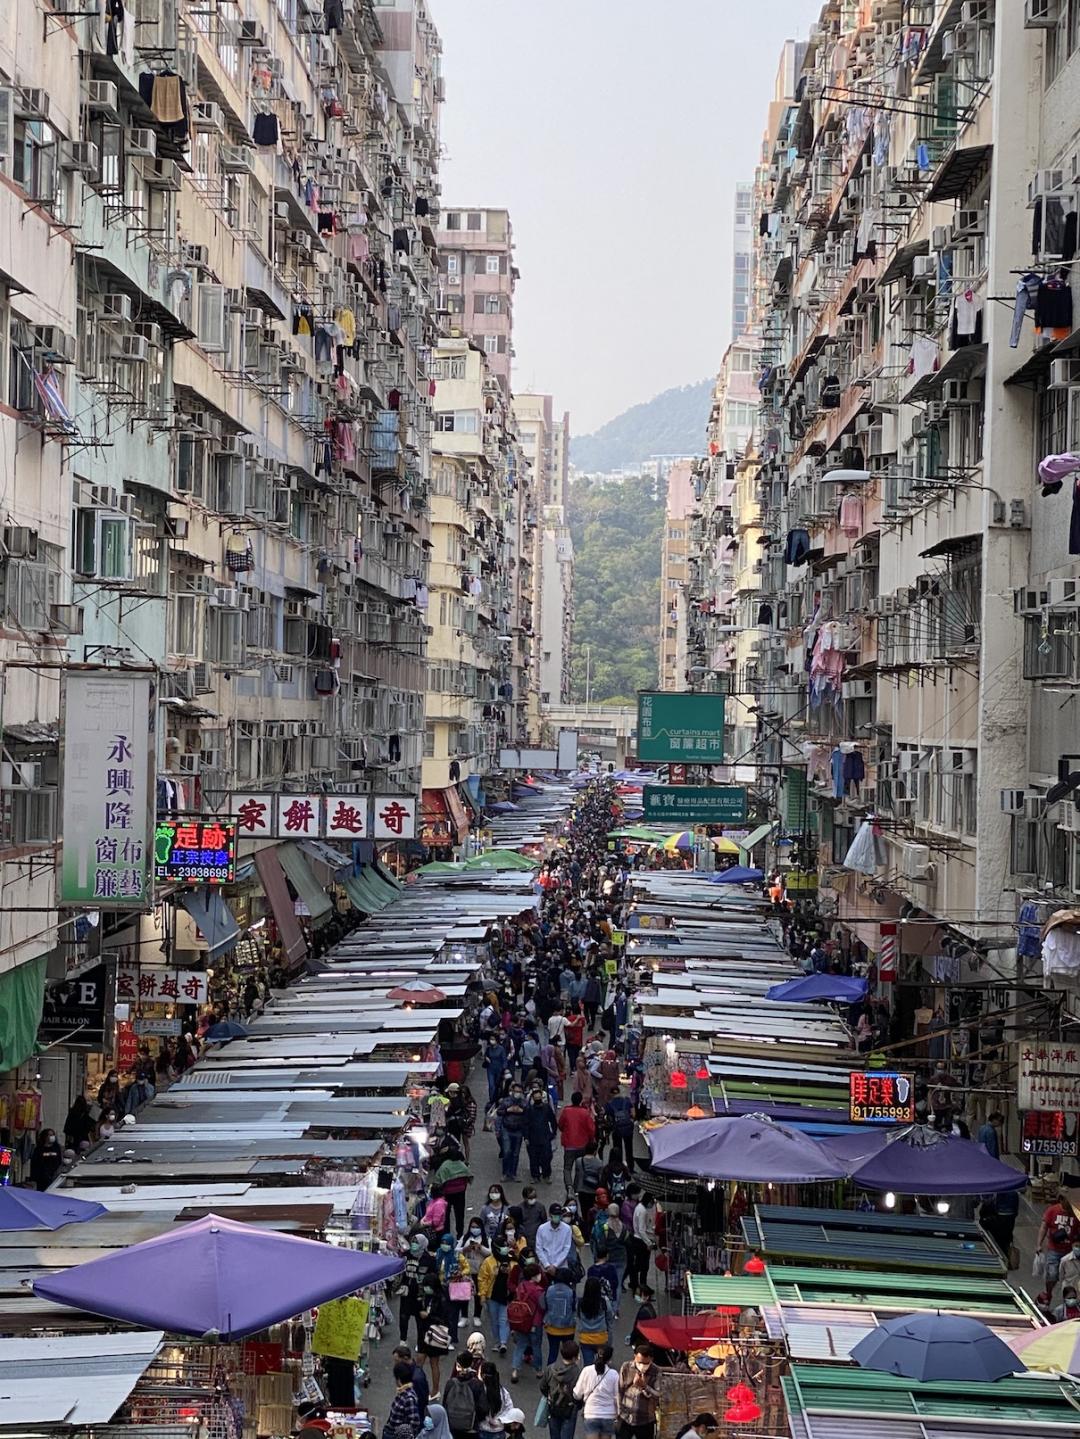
416 993
693 1331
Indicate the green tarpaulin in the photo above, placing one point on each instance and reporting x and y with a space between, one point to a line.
307 887
22 994
500 859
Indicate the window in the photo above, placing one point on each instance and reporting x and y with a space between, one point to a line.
742 360
29 587
1050 645
492 266
740 415
453 220
191 466
448 368
103 544
453 264
226 637
29 818
475 221
210 316
491 344
460 422
186 625
34 165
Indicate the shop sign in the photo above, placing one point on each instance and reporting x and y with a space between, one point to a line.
75 1008
127 1046
677 774
680 727
157 1026
140 984
1049 1132
395 817
299 815
1049 1076
194 852
695 804
887 954
346 816
108 790
315 816
254 815
881 1096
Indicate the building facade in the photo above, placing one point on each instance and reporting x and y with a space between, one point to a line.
546 444
219 319
674 553
478 275
742 257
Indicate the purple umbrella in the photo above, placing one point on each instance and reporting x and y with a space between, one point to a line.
920 1160
215 1278
27 1209
832 988
746 1146
738 874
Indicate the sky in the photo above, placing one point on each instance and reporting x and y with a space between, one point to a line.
614 131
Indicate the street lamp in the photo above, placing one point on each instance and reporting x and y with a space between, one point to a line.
588 676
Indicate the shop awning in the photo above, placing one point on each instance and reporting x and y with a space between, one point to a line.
326 855
277 892
456 809
22 995
366 892
757 835
308 889
214 918
951 545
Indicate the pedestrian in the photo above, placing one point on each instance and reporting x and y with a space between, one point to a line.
464 1399
702 1426
639 1395
495 1059
511 1128
577 1130
527 1217
473 1250
1058 1232
494 1289
46 1159
403 1419
585 1178
616 1240
494 1213
595 1311
1069 1308
998 1217
620 1112
646 1311
989 1135
642 1242
554 1242
453 1272
108 1095
560 1311
497 1400
440 1424
452 1179
581 1080
526 1313
574 1032
79 1124
404 1355
553 1060
557 1386
540 1131
594 995
597 1389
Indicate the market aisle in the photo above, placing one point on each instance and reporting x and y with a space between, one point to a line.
486 1168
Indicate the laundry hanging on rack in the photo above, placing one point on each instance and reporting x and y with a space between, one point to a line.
1054 470
1027 292
265 129
1029 936
239 553
1053 310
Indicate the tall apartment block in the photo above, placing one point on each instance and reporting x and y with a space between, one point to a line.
674 553
218 307
546 443
478 275
742 258
915 594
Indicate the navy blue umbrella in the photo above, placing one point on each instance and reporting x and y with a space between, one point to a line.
226 1029
933 1347
833 988
739 874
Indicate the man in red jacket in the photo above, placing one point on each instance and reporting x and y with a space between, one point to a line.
577 1130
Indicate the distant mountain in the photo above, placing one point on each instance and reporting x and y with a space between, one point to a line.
669 424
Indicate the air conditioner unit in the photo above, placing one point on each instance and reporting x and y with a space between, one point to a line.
915 862
955 392
19 542
79 155
227 445
126 505
958 761
21 774
141 141
906 761
1045 182
234 159
252 34
967 222
133 347
1070 818
104 497
1063 594
188 763
960 41
200 678
102 99
942 237
226 597
283 674
207 115
935 412
68 618
1011 801
1034 806
59 345
976 12
199 584
924 267
235 299
197 255
1064 374
1029 602
117 308
1041 14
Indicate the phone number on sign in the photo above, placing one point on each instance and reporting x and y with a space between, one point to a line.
881 1111
201 871
1049 1146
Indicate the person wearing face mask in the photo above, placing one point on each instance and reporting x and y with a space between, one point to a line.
639 1395
453 1269
528 1215
495 1286
510 1126
540 1132
46 1159
493 1213
474 1249
554 1241
1069 1308
1069 1273
418 1265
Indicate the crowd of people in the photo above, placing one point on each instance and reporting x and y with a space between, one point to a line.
539 1274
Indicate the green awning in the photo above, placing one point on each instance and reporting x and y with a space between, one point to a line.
22 996
756 836
308 888
365 894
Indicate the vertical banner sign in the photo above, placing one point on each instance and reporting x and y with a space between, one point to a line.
887 954
108 794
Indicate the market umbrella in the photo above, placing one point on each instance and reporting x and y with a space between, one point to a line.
692 1331
932 1347
215 1278
921 1160
683 840
417 991
738 874
27 1209
724 846
500 859
744 1146
225 1029
837 988
1051 1351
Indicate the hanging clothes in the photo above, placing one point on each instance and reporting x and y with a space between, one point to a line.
1053 310
854 771
923 359
1074 521
764 615
1055 469
850 515
1027 292
836 769
265 129
303 320
333 15
1029 937
797 547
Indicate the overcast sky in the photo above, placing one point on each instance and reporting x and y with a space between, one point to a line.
614 131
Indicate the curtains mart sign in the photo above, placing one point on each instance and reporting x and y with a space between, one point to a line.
680 728
705 804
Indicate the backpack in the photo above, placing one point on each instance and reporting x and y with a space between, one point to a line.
460 1402
521 1314
560 1394
559 1313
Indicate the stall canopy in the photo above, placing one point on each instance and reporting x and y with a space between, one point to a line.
455 808
214 919
308 889
747 1147
333 859
215 1278
920 1160
739 874
27 1209
835 988
22 995
277 892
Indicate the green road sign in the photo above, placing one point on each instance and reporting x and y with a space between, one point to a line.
686 728
695 804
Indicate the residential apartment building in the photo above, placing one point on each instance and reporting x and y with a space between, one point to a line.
478 275
674 553
742 257
546 444
218 318
914 656
477 670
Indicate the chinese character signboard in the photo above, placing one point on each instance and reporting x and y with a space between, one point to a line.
881 1097
137 984
695 804
298 815
1049 1075
346 816
194 852
254 815
682 728
1049 1132
108 790
395 817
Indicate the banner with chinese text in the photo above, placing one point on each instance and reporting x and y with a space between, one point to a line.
687 728
108 790
140 984
318 816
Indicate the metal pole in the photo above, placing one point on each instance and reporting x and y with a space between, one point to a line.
588 676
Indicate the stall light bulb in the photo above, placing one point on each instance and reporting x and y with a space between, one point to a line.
890 1200
942 1206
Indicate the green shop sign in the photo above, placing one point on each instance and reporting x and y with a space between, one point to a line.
680 728
690 804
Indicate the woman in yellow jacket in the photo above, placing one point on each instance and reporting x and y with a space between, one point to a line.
495 1284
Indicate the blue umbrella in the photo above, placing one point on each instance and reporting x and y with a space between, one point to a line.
739 874
933 1347
226 1029
27 1209
833 988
